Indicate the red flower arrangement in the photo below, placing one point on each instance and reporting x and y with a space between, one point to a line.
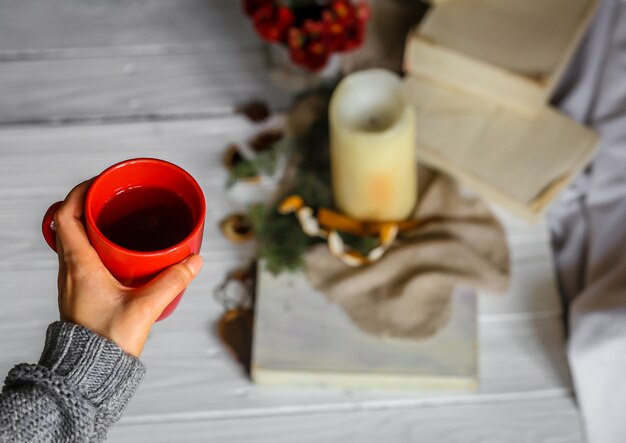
312 30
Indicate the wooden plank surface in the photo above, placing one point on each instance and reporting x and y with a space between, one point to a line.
191 376
137 60
521 345
526 421
520 334
174 86
38 28
86 84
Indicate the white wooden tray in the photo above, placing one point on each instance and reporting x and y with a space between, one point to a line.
302 339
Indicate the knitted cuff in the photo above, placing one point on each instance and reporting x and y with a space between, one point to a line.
103 373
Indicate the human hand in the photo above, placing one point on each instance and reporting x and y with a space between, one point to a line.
91 297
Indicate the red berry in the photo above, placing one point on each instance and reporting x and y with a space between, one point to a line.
272 22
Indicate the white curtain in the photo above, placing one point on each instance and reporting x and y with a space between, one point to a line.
589 229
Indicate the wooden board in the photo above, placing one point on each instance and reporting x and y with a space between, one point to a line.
294 325
71 28
522 348
537 420
200 84
509 51
192 385
75 61
125 68
518 161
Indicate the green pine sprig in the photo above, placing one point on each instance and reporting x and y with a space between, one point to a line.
263 163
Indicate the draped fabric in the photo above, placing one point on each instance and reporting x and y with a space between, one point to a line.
588 226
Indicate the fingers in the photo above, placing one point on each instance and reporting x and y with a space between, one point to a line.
71 236
153 298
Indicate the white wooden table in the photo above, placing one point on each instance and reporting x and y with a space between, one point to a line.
84 84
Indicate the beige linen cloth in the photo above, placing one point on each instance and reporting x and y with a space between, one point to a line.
408 293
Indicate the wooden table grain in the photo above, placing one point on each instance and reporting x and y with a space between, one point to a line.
84 84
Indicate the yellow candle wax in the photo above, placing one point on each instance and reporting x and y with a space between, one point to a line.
372 145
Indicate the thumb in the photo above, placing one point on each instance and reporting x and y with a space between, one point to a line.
168 284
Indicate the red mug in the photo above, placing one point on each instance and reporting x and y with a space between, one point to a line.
133 267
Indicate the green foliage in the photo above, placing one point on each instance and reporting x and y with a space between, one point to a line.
281 241
241 171
362 245
264 163
313 190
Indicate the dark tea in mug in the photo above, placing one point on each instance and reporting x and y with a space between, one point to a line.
146 219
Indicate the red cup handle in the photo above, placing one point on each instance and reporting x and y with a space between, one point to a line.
47 226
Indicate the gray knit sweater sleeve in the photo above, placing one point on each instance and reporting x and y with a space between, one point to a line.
78 390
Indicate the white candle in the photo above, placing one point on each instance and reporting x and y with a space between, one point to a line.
372 144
